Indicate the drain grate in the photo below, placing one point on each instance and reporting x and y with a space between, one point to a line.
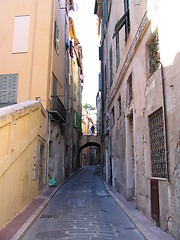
50 216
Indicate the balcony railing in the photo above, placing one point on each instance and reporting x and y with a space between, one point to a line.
58 110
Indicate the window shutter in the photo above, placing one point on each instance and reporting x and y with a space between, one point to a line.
117 51
124 20
105 12
100 81
102 29
110 1
8 89
100 53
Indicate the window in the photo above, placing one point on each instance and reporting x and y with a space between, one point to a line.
8 89
21 34
56 37
124 20
117 51
119 105
110 65
154 55
158 159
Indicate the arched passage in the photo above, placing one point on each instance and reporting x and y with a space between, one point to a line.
90 150
89 144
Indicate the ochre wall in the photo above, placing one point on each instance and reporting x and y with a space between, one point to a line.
33 65
22 130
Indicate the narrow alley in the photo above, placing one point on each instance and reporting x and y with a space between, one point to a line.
83 209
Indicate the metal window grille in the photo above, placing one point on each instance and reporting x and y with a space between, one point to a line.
158 159
154 54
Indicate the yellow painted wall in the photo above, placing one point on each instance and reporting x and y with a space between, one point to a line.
22 129
58 62
32 66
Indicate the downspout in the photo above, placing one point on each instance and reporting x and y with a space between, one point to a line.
165 119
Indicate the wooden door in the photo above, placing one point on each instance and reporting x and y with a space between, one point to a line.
155 200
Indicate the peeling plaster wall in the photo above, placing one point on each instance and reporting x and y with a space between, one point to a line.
56 159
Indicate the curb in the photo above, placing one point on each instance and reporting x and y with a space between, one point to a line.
145 233
25 227
148 233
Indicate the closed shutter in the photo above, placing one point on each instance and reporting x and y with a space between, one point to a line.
105 12
8 89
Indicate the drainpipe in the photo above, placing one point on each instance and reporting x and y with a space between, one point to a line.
165 119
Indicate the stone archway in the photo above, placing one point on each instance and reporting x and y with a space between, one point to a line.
90 141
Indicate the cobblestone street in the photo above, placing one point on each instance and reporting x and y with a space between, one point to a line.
82 209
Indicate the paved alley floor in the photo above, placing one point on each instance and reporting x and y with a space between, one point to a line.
82 209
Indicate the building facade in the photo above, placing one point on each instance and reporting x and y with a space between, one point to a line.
41 60
140 58
35 65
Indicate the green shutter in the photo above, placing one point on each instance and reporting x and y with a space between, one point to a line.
110 1
100 81
120 23
102 30
105 12
127 20
117 51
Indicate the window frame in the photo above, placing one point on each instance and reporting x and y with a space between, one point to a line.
124 20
